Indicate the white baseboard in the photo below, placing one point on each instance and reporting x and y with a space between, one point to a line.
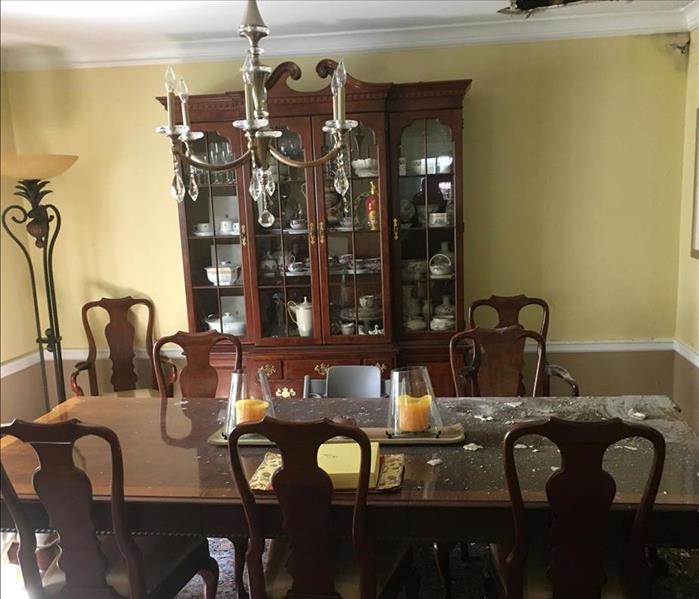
568 347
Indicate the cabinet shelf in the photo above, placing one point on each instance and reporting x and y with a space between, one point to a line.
217 237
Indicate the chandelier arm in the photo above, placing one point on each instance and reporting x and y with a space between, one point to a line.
306 164
206 166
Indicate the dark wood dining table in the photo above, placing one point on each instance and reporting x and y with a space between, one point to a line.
178 483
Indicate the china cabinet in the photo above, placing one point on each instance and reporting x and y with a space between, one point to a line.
318 273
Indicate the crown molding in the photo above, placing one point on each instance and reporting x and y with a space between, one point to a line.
501 30
691 14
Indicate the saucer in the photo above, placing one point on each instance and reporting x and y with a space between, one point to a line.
442 277
298 273
292 231
203 233
343 229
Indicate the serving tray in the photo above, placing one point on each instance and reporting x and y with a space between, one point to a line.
449 435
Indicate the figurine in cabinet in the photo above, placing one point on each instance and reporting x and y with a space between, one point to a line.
372 207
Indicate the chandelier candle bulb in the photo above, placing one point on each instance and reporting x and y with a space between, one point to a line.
183 93
170 80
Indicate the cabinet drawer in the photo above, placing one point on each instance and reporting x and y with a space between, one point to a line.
285 389
315 368
383 361
273 368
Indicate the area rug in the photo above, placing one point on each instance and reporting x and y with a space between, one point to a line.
467 577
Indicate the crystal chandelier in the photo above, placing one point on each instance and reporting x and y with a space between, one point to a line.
255 126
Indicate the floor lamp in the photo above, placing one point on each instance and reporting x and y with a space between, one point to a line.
42 223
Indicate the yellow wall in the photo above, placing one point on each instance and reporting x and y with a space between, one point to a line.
687 328
573 156
16 312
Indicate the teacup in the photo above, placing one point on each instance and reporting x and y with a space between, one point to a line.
226 226
344 259
346 221
296 267
298 223
235 228
203 228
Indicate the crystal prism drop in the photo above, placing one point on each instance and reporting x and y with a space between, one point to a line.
270 185
256 189
177 188
341 183
192 187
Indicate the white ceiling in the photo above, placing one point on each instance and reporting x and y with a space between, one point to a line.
74 34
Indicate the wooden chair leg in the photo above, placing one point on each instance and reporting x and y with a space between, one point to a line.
209 574
442 551
659 566
240 548
465 555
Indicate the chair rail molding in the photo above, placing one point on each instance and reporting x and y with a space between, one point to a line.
25 361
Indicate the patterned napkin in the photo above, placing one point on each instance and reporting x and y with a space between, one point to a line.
391 468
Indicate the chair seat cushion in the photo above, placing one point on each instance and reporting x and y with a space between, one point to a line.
161 557
388 557
537 584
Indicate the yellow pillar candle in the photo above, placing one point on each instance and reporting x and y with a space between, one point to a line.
414 413
249 410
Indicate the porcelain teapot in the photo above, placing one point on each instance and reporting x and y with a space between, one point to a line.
302 315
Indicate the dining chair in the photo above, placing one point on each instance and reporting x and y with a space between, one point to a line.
89 565
489 362
580 495
508 310
198 378
346 381
311 562
120 336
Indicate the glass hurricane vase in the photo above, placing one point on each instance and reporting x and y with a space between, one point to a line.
413 408
249 399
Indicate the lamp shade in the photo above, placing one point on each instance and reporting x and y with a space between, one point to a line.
34 166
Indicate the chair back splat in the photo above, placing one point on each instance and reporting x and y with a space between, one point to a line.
304 492
120 335
198 378
580 496
65 492
489 362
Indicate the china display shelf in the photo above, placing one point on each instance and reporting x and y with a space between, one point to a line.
222 287
211 237
281 286
369 178
356 231
416 176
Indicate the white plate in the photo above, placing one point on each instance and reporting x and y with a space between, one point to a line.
203 233
344 229
442 277
298 273
364 174
295 231
449 226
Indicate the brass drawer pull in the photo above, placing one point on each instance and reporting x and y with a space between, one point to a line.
321 368
381 366
321 232
285 392
243 236
396 228
268 369
312 233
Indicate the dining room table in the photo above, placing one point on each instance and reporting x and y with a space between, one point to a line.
179 483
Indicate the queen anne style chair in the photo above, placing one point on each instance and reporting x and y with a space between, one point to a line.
580 496
317 566
489 362
508 310
92 566
199 379
120 336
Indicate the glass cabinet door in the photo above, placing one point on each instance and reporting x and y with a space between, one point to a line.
428 228
284 234
353 236
213 216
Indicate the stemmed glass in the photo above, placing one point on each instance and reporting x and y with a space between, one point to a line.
227 155
249 399
413 409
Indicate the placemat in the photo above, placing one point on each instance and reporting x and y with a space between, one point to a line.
449 435
391 467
